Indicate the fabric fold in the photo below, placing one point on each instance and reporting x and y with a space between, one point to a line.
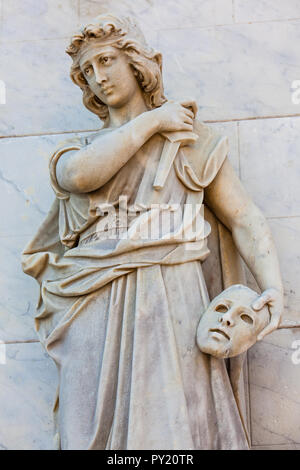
118 314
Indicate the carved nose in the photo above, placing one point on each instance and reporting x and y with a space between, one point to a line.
226 319
100 77
100 80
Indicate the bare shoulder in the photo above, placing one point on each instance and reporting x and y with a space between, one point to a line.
81 140
89 138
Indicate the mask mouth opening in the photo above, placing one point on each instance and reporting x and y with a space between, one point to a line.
216 330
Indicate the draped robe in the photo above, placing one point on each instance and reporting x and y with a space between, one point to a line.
118 310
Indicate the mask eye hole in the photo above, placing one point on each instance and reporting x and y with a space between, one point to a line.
247 319
221 308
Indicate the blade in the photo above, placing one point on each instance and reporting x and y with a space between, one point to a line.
168 155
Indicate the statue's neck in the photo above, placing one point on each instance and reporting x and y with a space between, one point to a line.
124 114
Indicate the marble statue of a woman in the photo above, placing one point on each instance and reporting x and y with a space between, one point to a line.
119 309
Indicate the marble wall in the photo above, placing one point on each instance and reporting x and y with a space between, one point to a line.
239 58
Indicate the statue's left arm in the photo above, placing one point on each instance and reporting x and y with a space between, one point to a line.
232 205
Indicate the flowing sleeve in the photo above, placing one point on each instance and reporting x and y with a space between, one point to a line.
74 209
197 165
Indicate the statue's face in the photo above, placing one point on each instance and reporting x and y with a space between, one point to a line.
230 326
108 73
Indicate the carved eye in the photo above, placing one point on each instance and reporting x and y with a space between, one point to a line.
247 319
88 70
221 308
105 60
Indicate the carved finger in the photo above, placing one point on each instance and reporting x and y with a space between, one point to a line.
189 113
190 104
187 127
188 120
266 297
272 326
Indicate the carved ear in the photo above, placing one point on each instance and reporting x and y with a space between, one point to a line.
78 78
158 59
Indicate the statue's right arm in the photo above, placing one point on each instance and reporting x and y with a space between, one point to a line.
87 169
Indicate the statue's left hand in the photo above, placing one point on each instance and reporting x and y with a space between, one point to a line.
273 298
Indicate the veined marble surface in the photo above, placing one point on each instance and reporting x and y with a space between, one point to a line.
18 293
286 233
25 191
28 384
26 197
277 447
270 167
45 19
157 14
266 10
235 71
275 390
41 98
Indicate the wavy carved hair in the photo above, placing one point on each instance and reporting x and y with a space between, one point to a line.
124 34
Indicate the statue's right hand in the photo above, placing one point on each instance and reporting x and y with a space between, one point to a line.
173 116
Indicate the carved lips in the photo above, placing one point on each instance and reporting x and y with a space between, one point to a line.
107 90
219 333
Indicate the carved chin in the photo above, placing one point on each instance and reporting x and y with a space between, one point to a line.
218 348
